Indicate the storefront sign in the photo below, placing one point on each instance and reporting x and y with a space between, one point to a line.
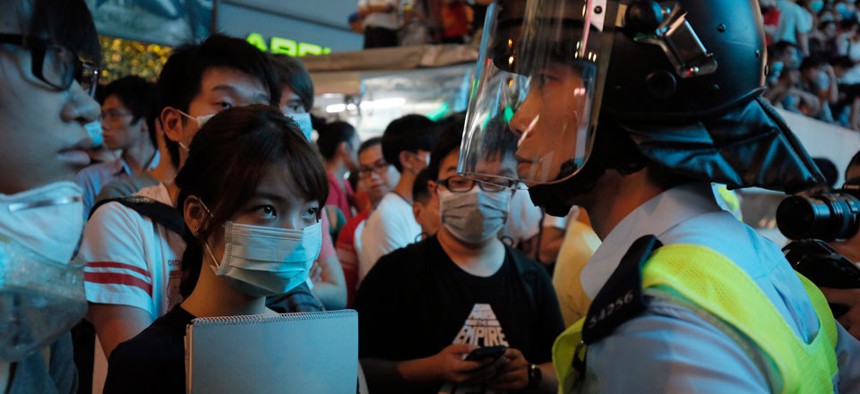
286 46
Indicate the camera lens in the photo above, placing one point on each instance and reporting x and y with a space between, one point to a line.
825 216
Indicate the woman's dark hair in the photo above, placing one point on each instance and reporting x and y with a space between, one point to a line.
182 76
226 160
65 22
331 135
293 73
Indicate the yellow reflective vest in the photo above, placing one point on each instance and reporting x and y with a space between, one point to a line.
713 283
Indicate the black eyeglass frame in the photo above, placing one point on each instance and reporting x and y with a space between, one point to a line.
81 70
490 187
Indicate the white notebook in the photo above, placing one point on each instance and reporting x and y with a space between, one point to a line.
288 353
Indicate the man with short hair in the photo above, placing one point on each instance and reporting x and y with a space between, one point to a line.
459 290
132 274
406 144
43 114
633 126
128 127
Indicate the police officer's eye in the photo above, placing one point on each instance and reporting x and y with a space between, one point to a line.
224 104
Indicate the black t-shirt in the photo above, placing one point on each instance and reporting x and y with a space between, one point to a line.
416 301
154 360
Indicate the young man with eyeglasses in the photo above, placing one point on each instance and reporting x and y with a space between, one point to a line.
425 307
49 52
406 145
128 126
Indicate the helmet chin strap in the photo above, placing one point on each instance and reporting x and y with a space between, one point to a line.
612 149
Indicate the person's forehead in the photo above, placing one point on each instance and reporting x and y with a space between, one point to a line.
370 155
497 166
448 166
277 180
113 101
231 81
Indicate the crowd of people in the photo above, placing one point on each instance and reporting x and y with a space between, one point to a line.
813 58
209 198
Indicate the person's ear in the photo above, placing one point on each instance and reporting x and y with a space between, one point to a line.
344 149
405 162
416 212
144 126
195 214
172 124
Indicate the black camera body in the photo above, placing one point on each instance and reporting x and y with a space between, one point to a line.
812 219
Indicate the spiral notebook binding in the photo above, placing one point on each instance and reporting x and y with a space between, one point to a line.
263 319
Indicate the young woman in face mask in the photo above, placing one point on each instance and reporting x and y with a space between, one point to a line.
251 193
457 291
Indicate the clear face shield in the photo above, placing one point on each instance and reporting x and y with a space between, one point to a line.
537 90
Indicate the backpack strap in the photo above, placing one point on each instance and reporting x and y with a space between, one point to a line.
159 212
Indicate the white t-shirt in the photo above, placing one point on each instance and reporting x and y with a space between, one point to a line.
793 19
388 20
391 226
131 260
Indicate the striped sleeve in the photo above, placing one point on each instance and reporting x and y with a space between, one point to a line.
114 248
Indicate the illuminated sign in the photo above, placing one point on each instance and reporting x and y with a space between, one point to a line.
286 46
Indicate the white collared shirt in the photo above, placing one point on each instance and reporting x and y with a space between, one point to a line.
673 348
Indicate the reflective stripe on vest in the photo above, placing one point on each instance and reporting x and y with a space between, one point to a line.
711 281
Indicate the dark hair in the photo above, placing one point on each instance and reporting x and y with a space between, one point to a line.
138 96
811 62
409 133
331 135
369 143
67 22
180 79
842 61
226 160
293 73
448 141
420 191
855 161
828 169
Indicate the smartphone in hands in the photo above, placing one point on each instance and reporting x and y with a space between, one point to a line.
491 352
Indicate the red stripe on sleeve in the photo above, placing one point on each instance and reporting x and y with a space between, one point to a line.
113 264
118 279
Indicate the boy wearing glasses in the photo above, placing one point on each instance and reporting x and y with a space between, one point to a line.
48 51
424 307
129 127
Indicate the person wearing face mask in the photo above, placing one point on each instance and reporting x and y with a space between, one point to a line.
297 99
251 196
423 308
49 55
795 24
406 144
132 274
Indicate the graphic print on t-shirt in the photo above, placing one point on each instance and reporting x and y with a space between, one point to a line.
481 328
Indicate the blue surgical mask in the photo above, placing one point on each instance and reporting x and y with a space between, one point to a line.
304 122
816 6
94 130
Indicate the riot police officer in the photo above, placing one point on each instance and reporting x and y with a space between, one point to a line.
631 109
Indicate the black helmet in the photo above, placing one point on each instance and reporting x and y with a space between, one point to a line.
590 85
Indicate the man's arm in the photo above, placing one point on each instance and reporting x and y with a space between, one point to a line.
330 287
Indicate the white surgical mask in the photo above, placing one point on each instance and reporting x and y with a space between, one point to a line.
262 261
474 216
41 291
94 130
201 120
304 121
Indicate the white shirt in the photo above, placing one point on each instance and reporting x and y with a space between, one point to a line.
793 19
387 20
700 353
391 226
